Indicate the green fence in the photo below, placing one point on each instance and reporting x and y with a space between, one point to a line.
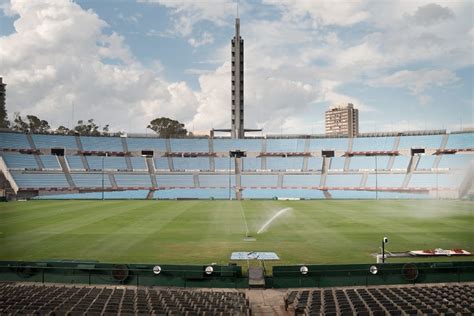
230 276
371 274
127 274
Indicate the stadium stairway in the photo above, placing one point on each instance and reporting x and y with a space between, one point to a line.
79 143
85 162
267 302
238 178
112 181
65 168
124 144
30 141
326 163
150 194
151 169
128 161
305 164
444 142
39 161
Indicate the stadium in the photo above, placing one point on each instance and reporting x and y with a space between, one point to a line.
134 224
200 203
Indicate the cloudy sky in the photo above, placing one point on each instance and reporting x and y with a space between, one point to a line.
405 64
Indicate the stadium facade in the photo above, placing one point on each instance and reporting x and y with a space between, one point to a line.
417 165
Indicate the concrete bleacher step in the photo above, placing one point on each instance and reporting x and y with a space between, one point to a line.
151 170
306 145
65 167
238 177
268 302
363 180
396 143
85 162
150 194
280 180
212 163
128 161
347 161
30 141
124 144
196 180
391 161
256 277
170 163
168 145
112 181
79 143
305 164
39 162
327 194
263 163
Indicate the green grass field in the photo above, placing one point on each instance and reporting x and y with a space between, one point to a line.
208 231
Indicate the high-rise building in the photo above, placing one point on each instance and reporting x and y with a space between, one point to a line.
237 126
342 120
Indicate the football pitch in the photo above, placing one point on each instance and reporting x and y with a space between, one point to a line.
202 232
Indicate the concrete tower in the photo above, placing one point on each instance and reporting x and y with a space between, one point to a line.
237 126
3 110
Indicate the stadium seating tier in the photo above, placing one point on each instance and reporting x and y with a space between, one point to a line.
444 170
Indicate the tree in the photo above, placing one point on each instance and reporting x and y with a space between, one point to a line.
105 130
37 125
19 124
32 124
62 130
89 129
166 127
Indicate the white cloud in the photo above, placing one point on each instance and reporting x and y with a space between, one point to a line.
187 13
130 18
418 81
206 38
296 64
59 55
337 12
329 94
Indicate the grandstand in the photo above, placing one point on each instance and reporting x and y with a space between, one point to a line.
424 165
421 299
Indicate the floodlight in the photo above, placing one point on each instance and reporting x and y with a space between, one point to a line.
373 270
209 270
385 240
156 269
304 270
